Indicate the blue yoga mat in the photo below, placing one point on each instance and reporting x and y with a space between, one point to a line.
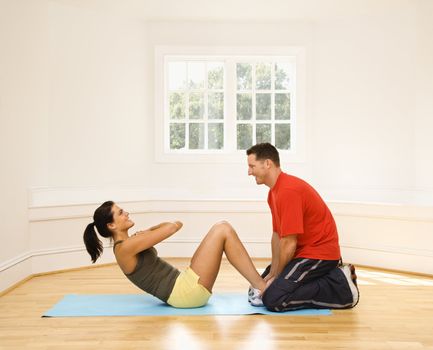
146 305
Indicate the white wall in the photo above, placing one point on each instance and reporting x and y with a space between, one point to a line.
423 111
363 110
23 50
77 113
98 123
368 102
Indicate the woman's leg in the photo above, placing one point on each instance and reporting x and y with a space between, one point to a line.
207 258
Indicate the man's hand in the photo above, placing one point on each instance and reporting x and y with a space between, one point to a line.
269 277
268 283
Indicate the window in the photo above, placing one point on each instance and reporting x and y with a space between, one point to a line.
215 102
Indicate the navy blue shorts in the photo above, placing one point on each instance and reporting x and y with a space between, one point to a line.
308 283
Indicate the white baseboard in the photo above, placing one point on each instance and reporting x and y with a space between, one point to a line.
31 263
391 260
14 271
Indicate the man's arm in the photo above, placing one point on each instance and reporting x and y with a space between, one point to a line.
287 251
275 246
283 251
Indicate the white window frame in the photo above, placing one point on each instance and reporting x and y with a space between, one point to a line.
297 153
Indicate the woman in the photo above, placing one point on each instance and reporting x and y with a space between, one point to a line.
139 262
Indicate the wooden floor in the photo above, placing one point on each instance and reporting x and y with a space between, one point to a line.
395 312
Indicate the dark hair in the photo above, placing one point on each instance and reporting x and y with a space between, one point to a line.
265 151
102 216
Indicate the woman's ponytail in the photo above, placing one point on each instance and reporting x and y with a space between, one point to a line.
92 242
102 217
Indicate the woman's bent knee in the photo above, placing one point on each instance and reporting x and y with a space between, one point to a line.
222 226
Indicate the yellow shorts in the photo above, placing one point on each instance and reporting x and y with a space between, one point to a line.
187 292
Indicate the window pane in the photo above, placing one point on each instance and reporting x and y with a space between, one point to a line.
282 106
263 133
263 76
244 136
244 107
177 135
244 77
216 105
196 136
177 105
282 136
196 105
216 136
282 71
215 75
177 75
196 75
263 106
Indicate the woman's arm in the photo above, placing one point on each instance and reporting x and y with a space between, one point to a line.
143 240
162 223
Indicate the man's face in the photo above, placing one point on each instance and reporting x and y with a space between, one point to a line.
257 168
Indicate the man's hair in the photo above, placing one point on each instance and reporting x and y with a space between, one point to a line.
265 151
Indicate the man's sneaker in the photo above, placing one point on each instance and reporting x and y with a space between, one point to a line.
254 297
349 273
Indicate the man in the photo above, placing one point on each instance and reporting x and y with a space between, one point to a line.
306 269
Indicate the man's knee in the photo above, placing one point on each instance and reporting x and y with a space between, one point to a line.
279 293
274 297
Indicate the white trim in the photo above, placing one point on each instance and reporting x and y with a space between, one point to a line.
423 253
57 203
256 247
42 252
370 233
15 261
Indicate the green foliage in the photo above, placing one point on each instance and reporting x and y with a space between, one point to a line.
196 105
177 105
216 105
177 135
244 107
244 136
282 106
263 76
282 80
196 136
282 136
244 76
263 106
216 78
263 133
216 136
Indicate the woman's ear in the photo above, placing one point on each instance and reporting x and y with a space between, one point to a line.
111 226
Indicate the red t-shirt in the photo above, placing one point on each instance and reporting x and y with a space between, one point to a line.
297 208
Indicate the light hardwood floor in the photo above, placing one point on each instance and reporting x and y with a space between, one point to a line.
395 312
